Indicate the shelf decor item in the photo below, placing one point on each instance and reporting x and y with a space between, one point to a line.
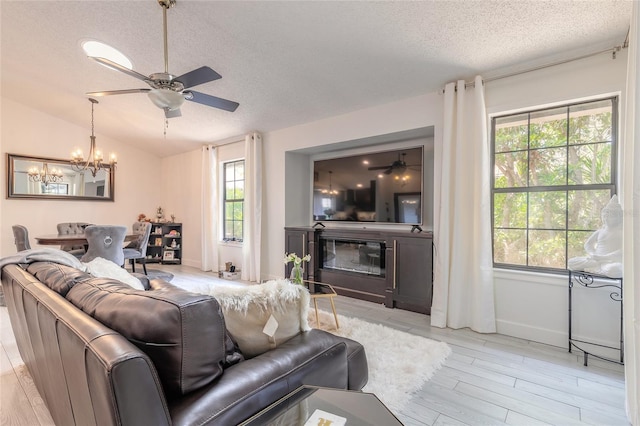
297 271
168 255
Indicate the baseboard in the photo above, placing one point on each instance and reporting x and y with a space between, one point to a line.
548 336
536 334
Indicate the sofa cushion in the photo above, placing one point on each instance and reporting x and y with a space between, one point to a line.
59 278
248 308
183 333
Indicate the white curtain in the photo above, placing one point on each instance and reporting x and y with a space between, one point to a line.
463 269
252 238
210 212
631 231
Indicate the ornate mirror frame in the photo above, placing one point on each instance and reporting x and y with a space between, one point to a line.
74 185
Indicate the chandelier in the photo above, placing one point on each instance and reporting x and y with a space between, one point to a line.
94 162
331 191
44 175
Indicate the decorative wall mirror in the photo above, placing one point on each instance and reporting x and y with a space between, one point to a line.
50 178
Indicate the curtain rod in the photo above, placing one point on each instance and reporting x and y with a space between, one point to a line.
613 50
230 140
218 145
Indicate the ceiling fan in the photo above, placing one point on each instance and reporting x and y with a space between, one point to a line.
168 91
399 166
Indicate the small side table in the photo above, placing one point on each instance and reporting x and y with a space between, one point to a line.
321 290
589 280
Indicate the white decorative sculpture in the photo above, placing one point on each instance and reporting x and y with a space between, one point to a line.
604 247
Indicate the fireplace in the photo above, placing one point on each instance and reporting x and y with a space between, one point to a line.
357 256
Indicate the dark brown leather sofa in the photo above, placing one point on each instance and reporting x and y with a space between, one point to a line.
101 353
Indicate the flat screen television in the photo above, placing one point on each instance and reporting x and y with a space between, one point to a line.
383 187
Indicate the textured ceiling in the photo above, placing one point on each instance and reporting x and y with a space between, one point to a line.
286 63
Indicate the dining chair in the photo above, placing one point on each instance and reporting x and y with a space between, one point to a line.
21 237
137 249
105 241
72 228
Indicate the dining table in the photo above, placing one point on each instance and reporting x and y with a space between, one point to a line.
71 239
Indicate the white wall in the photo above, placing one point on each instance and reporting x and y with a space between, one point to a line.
534 306
28 131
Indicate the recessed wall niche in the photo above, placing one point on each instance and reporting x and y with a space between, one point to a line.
300 180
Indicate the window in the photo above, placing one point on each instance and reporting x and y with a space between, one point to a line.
553 172
233 200
55 188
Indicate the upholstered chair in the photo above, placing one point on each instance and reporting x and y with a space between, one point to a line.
21 236
137 249
105 241
72 228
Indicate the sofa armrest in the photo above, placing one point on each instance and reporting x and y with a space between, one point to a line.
314 358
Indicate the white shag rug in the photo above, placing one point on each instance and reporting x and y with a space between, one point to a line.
400 363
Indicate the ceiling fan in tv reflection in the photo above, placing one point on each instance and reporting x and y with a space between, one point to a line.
398 167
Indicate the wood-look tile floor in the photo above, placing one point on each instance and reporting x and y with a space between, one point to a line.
488 379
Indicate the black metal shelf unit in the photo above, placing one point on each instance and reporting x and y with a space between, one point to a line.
589 280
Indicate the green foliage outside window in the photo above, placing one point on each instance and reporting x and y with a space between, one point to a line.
553 173
233 200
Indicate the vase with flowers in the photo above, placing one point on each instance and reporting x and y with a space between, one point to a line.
297 271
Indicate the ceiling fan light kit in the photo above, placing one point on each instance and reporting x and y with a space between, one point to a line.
168 92
166 99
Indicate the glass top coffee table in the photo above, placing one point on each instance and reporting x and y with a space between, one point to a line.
310 405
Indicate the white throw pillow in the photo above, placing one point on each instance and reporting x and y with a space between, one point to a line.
103 268
248 308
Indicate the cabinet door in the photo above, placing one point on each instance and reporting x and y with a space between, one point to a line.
297 241
413 274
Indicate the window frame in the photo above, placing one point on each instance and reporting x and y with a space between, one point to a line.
566 187
225 201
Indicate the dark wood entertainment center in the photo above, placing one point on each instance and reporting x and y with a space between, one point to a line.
394 267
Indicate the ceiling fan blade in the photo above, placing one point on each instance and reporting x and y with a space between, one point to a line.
198 76
117 92
388 171
118 67
211 101
378 168
172 113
